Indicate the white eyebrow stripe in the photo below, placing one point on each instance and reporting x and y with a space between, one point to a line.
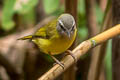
73 22
61 22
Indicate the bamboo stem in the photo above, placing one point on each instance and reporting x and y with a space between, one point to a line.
106 34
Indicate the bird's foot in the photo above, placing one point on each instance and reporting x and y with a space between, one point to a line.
69 52
57 62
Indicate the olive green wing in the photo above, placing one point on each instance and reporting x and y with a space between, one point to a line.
47 31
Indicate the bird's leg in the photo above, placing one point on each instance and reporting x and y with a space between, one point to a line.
69 52
57 61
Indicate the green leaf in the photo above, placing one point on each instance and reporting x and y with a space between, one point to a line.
7 22
50 5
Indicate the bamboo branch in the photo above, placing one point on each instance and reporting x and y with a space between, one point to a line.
80 50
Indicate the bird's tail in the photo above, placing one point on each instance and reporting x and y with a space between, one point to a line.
25 37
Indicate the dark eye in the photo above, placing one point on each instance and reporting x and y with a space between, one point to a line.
73 27
62 27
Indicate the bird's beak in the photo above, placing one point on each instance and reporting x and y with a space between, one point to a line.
68 33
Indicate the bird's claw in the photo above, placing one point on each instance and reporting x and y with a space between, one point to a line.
69 52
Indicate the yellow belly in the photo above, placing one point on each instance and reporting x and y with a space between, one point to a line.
56 45
59 46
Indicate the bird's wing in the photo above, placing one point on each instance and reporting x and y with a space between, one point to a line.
47 31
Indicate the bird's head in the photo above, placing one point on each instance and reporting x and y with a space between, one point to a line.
66 25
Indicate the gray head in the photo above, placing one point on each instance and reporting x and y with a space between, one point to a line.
66 25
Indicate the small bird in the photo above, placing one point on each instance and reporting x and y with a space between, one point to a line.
55 37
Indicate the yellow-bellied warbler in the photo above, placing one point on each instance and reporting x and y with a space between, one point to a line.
55 37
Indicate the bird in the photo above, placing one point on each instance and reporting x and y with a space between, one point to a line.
55 37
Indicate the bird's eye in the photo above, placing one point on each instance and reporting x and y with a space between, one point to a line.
73 27
62 27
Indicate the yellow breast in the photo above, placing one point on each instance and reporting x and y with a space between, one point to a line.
55 45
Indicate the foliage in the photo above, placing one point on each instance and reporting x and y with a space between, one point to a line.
8 11
47 5
56 9
12 7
